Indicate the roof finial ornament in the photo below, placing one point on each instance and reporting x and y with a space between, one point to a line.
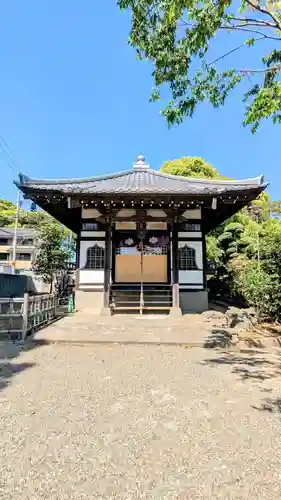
140 162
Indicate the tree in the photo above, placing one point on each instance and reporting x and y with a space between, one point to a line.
189 166
245 249
52 253
26 218
7 213
177 36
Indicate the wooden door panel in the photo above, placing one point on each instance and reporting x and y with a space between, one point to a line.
128 268
155 269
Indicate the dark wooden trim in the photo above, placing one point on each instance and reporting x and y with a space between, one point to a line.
186 238
113 256
107 264
169 277
92 238
204 254
190 270
78 252
189 221
93 220
188 283
193 290
82 289
91 284
175 265
77 263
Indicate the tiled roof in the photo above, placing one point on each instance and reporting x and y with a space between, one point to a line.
140 180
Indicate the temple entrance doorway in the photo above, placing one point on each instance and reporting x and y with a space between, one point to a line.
142 257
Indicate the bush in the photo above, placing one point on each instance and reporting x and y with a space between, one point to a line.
260 289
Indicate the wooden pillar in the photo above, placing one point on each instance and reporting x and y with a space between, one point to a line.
204 250
107 265
175 267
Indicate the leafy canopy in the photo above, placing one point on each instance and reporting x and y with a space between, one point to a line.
177 36
51 253
53 246
189 166
245 249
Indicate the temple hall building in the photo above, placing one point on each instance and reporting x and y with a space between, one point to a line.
141 234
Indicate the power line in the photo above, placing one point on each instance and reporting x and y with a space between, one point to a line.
7 145
2 157
6 156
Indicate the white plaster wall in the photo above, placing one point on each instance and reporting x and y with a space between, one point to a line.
92 234
190 234
90 213
191 287
192 214
156 213
126 212
157 225
195 277
89 276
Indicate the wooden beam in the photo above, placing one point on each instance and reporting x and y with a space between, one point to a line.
175 266
107 264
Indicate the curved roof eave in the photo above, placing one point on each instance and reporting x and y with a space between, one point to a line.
26 181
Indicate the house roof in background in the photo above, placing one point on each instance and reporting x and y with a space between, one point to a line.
22 232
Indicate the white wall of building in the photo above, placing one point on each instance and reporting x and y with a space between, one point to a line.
89 276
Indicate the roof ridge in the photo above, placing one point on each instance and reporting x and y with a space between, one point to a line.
36 180
203 180
24 179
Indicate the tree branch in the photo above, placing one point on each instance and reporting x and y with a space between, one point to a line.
264 70
231 27
256 32
251 23
247 20
256 6
232 50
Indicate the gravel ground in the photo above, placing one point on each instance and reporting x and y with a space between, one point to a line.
134 422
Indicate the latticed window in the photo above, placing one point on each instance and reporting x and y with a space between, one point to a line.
90 226
186 259
95 258
190 226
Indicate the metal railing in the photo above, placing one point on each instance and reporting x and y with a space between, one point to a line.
20 316
41 310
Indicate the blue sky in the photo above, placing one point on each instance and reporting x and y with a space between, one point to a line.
74 101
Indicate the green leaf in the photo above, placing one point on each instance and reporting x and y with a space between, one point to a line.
250 42
177 38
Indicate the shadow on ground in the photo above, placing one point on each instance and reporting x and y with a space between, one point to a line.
256 365
9 352
218 338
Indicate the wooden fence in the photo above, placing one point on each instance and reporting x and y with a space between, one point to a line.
19 316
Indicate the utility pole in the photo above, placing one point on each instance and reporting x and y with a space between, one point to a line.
14 251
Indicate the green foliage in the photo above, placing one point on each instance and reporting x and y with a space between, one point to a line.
214 252
51 252
189 166
53 249
6 205
177 36
246 249
26 218
259 288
